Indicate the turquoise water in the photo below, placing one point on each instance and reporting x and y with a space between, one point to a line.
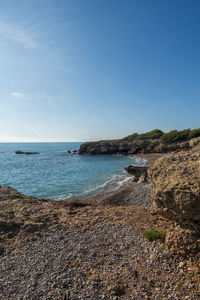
56 174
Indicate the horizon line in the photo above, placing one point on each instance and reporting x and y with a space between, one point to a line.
2 142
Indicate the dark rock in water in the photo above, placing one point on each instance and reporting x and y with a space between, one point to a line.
27 153
72 152
140 173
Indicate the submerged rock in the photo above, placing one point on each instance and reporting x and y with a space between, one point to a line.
72 152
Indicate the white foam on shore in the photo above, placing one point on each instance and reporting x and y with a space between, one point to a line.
116 181
141 161
112 184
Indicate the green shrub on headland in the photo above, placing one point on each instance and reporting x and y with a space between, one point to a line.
179 136
153 134
168 137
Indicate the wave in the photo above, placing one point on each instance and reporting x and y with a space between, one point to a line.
139 160
113 183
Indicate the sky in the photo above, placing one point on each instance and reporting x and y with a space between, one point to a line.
80 70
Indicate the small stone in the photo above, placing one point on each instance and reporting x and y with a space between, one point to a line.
181 264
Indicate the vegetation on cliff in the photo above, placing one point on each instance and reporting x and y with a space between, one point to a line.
168 137
145 143
150 135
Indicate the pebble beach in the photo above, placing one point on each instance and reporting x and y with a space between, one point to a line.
89 249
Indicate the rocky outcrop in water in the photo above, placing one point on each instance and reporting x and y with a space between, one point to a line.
134 147
175 183
26 153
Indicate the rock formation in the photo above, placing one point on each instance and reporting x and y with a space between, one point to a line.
175 183
27 153
139 172
134 147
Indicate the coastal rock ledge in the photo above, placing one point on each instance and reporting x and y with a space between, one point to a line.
175 184
134 147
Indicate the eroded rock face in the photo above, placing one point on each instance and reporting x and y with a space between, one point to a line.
175 184
130 148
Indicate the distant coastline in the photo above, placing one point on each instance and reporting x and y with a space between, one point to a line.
154 141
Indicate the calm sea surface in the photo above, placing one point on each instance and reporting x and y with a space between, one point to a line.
56 174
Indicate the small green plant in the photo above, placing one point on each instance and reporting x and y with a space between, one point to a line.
15 196
48 230
155 234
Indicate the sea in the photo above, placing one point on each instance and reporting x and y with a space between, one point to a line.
57 174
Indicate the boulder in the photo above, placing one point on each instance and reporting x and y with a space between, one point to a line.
175 185
139 172
175 182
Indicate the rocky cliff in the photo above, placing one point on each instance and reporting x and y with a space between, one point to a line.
134 147
175 183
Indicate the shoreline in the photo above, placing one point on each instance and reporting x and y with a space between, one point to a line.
130 193
151 157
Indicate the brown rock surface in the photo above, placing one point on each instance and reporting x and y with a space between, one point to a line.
135 147
175 183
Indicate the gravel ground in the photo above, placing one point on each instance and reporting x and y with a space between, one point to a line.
130 194
106 262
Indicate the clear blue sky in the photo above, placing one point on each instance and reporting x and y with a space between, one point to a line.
77 70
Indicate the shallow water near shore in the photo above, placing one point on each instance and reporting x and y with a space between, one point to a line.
56 174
